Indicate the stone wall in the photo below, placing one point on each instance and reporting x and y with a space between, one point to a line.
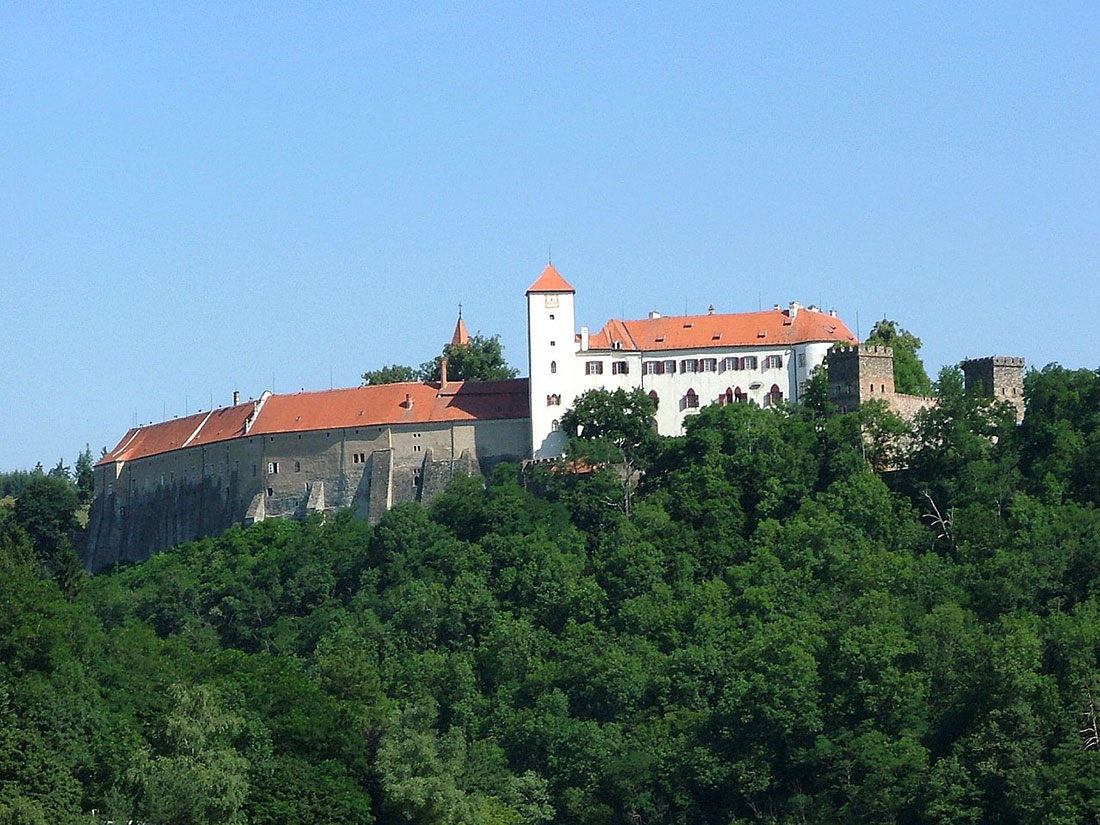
153 503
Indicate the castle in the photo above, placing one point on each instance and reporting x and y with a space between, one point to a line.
368 448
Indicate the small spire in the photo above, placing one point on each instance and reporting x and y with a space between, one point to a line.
461 336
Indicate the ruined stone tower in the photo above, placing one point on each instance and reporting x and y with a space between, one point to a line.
1000 377
860 374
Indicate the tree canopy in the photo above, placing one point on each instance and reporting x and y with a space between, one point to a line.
774 633
480 359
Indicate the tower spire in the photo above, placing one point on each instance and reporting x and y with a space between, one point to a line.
461 336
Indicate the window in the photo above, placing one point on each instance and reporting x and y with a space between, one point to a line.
740 397
297 466
270 491
110 488
731 363
553 400
774 396
553 367
749 362
689 365
801 359
555 425
691 400
553 343
655 399
726 397
593 367
551 316
653 368
620 368
272 467
670 366
710 365
773 362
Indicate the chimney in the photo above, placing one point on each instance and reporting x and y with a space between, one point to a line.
236 397
775 307
794 307
710 309
584 339
408 401
832 313
443 373
654 314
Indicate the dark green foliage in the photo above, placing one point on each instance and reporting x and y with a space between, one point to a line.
84 476
390 374
479 359
46 510
776 632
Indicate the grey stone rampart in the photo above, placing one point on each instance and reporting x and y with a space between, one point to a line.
152 503
907 406
381 484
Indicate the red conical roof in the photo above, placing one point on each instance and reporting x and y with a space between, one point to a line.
550 281
461 336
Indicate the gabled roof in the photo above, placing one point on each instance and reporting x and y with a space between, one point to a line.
772 328
550 281
332 409
387 404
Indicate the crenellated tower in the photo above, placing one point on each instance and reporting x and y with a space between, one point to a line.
860 374
1000 377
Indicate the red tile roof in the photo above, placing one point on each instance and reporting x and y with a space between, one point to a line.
550 281
386 404
774 328
200 428
333 409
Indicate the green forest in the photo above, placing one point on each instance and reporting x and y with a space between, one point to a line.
783 616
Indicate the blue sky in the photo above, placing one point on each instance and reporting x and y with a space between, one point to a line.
202 197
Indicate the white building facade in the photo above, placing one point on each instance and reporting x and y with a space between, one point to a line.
683 362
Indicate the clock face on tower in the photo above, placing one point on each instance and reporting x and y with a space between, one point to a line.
551 301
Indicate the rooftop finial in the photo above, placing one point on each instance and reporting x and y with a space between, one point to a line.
460 311
549 255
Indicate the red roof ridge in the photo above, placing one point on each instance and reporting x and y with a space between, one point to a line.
772 327
550 281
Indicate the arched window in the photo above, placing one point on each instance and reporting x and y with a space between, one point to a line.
653 397
740 397
726 397
553 366
691 400
555 425
774 396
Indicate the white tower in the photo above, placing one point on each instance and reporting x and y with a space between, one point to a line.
551 353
